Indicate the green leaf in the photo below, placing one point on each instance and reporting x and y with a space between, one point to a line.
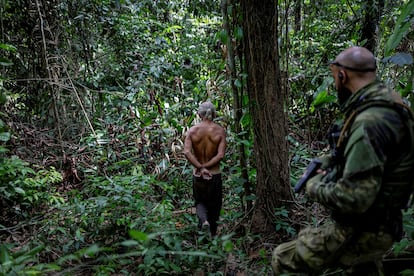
129 243
400 59
401 28
238 33
4 254
227 246
24 259
5 62
4 136
400 246
138 235
223 36
67 258
8 47
246 120
238 83
322 95
407 272
3 99
91 250
19 190
175 267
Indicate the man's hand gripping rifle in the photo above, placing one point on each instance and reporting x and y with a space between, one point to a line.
310 171
316 163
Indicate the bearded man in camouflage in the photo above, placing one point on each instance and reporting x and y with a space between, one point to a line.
365 184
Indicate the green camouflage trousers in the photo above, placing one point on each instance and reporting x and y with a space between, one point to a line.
329 246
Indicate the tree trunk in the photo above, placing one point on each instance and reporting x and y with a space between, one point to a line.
237 107
298 15
373 10
267 102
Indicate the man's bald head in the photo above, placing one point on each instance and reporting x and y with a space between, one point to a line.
353 69
358 59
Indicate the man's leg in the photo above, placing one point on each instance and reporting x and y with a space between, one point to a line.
314 250
364 255
200 193
201 211
214 202
285 259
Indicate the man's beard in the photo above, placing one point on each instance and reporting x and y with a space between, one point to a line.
343 94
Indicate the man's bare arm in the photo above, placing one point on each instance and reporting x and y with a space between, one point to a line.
188 147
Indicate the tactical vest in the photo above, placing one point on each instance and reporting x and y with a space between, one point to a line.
398 179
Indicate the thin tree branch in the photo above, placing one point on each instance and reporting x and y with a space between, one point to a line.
79 100
55 111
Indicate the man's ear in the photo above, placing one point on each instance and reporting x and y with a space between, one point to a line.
342 76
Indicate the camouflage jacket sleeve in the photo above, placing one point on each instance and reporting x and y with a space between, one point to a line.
357 186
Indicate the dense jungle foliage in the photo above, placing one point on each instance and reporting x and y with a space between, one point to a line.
96 97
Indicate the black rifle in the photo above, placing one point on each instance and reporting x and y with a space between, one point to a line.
314 165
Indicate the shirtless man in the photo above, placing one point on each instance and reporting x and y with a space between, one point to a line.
204 147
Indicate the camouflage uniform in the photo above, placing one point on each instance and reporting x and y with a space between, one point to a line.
368 182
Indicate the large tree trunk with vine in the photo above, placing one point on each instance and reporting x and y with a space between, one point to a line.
267 106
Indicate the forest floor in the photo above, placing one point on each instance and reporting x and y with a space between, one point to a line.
39 147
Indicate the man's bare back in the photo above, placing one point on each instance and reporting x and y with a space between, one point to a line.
204 147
